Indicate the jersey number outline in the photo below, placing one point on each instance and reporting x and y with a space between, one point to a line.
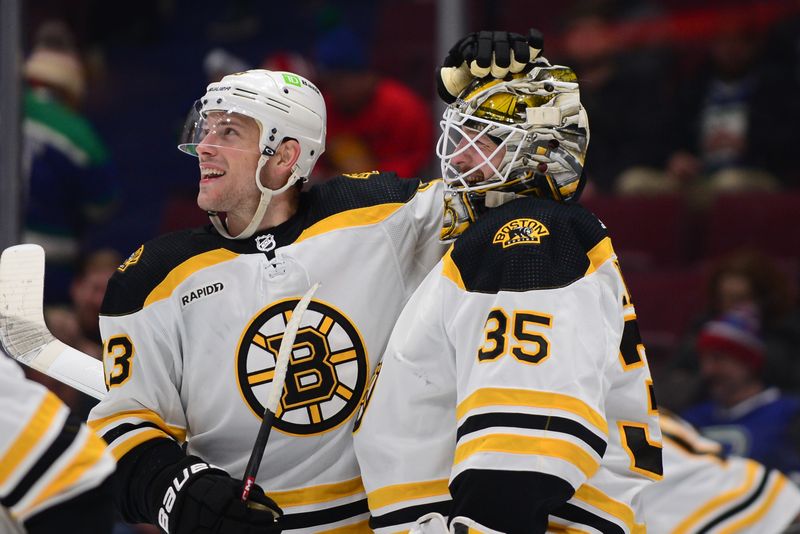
496 333
120 350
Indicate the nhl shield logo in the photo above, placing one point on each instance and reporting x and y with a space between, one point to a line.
520 232
265 243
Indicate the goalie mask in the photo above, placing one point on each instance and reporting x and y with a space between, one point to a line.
524 135
284 105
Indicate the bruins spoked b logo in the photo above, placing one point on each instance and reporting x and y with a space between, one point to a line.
327 368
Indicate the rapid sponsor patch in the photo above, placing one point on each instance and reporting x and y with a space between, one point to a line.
201 292
520 232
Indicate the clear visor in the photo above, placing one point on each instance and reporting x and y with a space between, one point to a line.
474 153
229 129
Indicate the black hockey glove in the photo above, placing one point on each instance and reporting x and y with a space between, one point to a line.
484 53
195 497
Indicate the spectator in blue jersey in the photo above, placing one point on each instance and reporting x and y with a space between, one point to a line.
746 415
71 184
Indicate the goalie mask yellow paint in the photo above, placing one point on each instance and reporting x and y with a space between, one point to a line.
521 136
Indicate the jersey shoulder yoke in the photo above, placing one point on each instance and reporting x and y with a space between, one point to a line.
528 244
149 266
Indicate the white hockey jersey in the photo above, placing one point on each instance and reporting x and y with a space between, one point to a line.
41 463
703 491
517 361
192 324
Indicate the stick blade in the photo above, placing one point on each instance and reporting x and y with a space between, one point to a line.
22 329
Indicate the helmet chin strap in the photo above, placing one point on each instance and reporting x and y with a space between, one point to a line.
266 197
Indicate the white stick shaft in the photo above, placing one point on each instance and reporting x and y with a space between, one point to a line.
285 350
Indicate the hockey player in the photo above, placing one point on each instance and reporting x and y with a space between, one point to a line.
54 471
706 491
192 321
514 395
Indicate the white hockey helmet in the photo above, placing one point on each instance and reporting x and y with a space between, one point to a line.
284 105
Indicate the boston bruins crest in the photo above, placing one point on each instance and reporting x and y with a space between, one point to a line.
520 232
327 370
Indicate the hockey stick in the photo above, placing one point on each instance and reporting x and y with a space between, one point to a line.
276 390
23 333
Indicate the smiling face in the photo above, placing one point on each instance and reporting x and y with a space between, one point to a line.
228 154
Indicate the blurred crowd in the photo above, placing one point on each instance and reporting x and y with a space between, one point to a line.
691 107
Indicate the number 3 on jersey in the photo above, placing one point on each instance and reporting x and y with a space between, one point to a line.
117 355
528 345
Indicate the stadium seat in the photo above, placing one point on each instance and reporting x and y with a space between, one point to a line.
666 301
763 221
647 232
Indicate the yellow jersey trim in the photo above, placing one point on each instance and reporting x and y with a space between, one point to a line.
410 491
598 499
175 432
318 494
183 271
36 428
424 186
517 444
350 218
535 399
450 270
740 525
89 455
123 448
721 500
600 253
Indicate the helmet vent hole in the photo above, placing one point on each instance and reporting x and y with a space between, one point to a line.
219 101
549 87
286 90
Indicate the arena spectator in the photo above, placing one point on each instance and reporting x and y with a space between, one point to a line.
744 414
72 186
374 122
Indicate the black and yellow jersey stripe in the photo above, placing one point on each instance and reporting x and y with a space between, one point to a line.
160 265
47 456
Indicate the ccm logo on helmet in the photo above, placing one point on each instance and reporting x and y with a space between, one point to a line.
201 292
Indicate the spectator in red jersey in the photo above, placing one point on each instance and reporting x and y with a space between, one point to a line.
374 123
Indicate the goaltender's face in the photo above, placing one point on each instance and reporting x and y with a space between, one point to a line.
475 153
228 155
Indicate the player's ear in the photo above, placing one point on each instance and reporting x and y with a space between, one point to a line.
288 153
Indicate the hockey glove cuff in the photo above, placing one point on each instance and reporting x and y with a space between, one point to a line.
196 497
